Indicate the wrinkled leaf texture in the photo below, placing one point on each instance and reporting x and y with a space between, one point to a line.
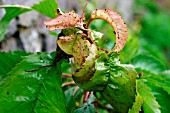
33 86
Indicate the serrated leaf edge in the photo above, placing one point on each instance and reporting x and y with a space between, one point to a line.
151 94
137 97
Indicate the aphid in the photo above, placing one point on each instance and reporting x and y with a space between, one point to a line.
115 20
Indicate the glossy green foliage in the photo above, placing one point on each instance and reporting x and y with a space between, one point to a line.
162 97
47 8
160 85
150 103
157 81
121 84
72 98
137 104
8 61
33 86
87 107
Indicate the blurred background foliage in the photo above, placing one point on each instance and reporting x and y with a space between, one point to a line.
154 33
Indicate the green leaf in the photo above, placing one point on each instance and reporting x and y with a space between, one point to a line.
73 97
121 82
20 53
161 96
137 104
150 104
87 107
70 100
47 8
66 67
160 82
113 80
53 34
165 74
147 48
160 85
33 86
7 62
148 63
11 12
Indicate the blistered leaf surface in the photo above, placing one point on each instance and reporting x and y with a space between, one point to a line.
33 86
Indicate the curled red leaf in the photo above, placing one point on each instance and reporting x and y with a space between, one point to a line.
63 21
117 23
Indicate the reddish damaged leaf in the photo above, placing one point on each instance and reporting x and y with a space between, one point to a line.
66 20
117 23
62 21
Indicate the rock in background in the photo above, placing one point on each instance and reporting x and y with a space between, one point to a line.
27 31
